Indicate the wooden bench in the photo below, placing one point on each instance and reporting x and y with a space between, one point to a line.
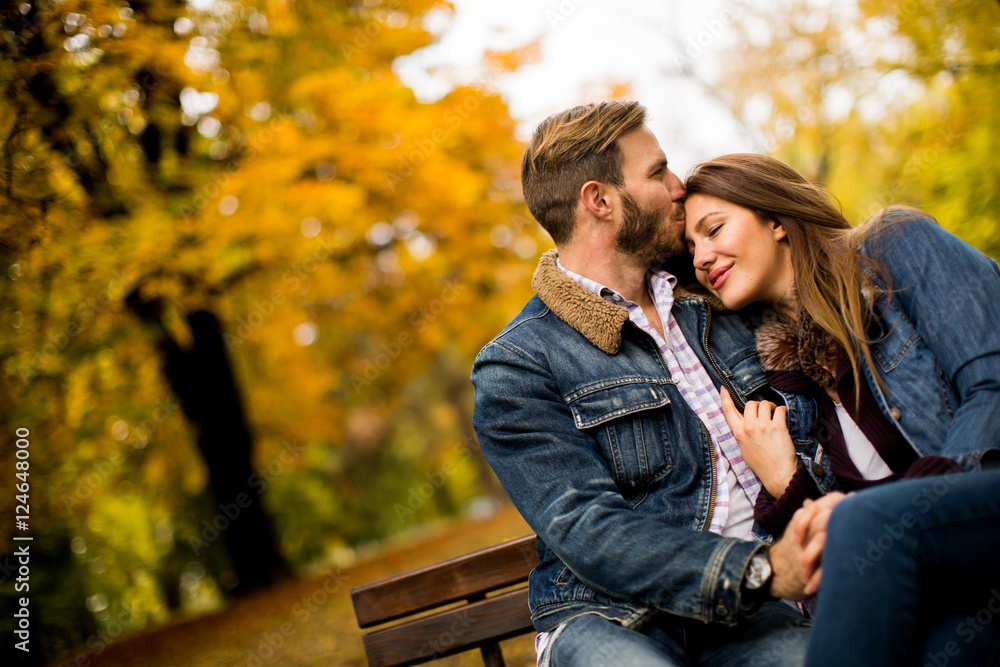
486 615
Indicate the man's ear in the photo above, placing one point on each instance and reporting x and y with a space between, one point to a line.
597 199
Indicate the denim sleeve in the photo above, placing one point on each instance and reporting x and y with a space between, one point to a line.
949 291
558 480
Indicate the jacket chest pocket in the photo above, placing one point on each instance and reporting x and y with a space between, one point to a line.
628 420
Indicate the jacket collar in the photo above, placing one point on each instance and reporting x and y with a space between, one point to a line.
784 344
597 319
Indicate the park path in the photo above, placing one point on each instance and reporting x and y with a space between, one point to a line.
310 622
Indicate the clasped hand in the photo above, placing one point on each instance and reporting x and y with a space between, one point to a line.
796 557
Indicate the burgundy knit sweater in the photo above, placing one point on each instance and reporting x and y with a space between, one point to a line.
774 514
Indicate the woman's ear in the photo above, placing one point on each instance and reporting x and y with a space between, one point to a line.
777 230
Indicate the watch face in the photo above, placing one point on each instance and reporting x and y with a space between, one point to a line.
760 571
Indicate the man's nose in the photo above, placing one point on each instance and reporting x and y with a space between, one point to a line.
676 187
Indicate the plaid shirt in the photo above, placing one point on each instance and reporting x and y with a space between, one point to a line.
691 378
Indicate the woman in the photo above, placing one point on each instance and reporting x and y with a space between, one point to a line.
885 342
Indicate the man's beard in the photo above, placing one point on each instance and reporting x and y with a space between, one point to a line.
643 235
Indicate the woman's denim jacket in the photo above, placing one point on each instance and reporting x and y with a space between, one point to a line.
937 347
577 415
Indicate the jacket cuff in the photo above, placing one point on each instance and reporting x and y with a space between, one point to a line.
773 514
731 558
931 466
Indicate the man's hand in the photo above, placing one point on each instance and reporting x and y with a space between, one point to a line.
788 580
764 441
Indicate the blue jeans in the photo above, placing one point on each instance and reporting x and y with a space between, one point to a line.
911 575
775 635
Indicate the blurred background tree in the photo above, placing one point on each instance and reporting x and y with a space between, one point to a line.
883 102
246 272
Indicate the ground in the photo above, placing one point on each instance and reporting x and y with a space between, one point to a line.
310 621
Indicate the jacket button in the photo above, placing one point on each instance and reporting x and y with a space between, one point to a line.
896 414
818 470
722 609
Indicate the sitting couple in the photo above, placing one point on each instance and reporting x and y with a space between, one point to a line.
682 451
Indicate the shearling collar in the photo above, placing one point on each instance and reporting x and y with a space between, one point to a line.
599 320
784 344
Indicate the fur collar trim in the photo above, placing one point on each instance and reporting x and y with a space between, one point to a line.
597 319
788 345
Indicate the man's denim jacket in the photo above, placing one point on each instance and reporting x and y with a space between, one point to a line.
598 450
936 346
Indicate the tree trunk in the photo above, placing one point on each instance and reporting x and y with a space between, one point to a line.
203 380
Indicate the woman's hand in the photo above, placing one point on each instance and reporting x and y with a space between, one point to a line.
807 529
764 441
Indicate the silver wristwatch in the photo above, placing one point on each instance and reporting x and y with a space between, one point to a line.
759 572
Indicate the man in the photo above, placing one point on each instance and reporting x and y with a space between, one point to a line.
598 408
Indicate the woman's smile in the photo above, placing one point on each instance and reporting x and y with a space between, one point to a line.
719 275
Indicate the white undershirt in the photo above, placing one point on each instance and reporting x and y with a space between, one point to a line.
862 452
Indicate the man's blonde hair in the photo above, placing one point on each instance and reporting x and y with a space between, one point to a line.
568 149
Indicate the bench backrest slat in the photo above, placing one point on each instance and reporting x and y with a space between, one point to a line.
443 583
453 631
